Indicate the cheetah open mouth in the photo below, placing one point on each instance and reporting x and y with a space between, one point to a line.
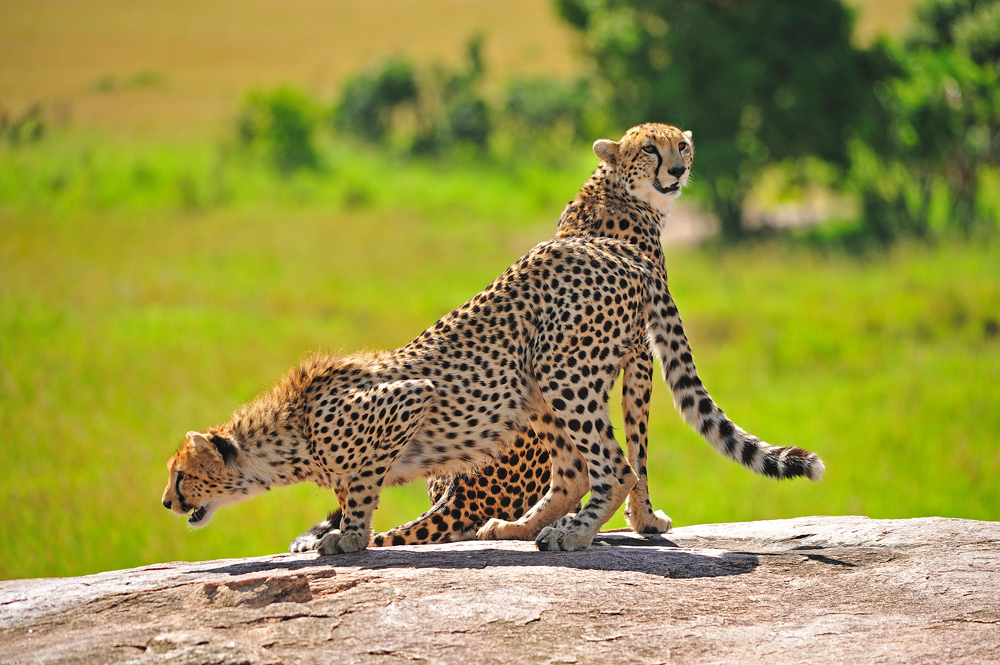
676 187
201 517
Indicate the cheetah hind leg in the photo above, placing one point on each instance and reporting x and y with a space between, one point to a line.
569 484
637 384
441 523
608 471
308 541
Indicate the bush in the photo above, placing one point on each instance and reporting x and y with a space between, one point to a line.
370 99
280 124
757 81
29 127
540 104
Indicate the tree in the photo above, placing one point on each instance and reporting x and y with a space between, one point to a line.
946 103
939 122
370 99
756 81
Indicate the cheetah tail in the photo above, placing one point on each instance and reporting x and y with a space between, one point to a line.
670 344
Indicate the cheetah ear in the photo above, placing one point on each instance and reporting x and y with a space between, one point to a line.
200 444
607 150
213 447
688 135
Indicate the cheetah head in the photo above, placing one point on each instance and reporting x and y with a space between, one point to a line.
653 161
206 473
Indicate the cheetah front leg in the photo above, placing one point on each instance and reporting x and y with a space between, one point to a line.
637 386
356 517
409 400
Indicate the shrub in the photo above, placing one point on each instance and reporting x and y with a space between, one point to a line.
280 124
370 99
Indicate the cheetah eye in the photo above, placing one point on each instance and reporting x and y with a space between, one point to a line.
649 150
682 146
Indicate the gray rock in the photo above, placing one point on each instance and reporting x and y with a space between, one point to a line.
816 589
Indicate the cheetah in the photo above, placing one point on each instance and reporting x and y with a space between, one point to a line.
539 348
619 201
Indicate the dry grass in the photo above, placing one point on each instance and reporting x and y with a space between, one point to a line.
205 55
877 17
178 68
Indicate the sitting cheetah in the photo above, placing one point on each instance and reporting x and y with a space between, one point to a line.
539 348
623 199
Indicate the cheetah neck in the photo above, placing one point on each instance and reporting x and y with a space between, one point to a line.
604 207
271 430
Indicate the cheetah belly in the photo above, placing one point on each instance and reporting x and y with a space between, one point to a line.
459 446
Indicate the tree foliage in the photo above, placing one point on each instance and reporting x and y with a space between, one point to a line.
370 98
941 120
757 80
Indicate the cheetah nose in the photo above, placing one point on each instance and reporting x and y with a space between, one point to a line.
677 171
166 504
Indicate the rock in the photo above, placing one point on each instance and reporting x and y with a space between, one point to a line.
816 589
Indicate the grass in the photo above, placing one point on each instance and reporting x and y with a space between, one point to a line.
151 280
128 318
143 69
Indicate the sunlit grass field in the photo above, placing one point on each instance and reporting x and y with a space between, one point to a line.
123 326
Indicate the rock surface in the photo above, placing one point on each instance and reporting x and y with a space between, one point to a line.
820 589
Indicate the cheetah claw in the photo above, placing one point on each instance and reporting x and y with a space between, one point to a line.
304 543
496 529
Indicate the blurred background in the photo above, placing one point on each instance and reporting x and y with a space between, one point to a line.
193 196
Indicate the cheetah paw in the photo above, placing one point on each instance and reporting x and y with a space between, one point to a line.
304 543
554 539
648 522
336 542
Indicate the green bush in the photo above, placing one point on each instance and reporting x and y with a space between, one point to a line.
370 99
280 124
940 126
540 104
29 127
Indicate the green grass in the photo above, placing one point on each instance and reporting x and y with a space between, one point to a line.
129 315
